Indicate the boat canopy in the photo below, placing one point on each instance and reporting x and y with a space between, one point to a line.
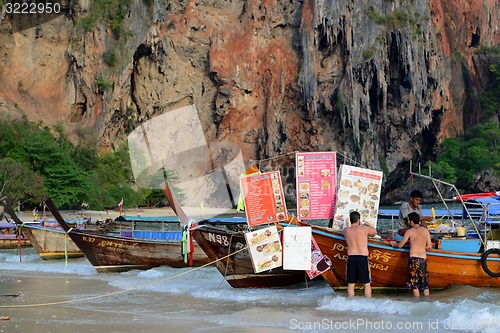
165 219
487 207
4 225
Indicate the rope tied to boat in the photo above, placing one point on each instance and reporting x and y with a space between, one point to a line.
246 247
66 245
19 244
122 291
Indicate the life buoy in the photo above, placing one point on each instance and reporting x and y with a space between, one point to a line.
484 258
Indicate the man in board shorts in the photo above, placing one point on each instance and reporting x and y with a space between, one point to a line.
358 265
420 241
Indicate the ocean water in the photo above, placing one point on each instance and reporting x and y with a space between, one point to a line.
48 296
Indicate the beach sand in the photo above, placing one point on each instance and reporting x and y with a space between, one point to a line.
194 212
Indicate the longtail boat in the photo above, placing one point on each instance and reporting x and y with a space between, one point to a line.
201 172
117 254
453 259
11 237
49 241
229 248
223 241
389 266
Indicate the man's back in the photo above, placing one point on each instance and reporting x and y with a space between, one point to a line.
356 238
419 241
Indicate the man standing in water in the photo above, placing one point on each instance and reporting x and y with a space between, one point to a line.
420 241
358 265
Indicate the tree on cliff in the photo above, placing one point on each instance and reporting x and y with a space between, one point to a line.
19 183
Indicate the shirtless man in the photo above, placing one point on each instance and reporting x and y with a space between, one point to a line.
420 241
358 265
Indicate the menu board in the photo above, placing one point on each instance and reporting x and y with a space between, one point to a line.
359 190
263 197
297 248
319 263
265 248
316 182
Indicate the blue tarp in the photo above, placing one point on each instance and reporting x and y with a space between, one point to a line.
163 235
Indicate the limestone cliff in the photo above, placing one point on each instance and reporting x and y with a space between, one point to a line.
380 81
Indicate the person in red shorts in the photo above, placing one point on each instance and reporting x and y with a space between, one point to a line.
420 241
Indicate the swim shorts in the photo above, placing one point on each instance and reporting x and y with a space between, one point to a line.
418 277
358 269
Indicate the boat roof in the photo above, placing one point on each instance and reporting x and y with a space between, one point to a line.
492 203
223 220
130 218
456 213
7 225
486 200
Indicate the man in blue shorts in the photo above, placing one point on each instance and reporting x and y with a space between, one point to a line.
358 265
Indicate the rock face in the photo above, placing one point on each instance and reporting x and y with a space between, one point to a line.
381 82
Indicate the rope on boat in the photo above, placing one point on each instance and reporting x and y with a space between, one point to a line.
227 262
344 156
135 288
66 246
122 291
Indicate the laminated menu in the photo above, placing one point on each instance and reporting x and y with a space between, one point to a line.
264 199
265 248
316 182
358 190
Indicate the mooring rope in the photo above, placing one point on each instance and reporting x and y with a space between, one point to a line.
126 290
227 262
130 289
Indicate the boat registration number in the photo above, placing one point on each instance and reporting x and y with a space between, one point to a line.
218 239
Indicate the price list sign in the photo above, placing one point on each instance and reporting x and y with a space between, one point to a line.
264 200
316 182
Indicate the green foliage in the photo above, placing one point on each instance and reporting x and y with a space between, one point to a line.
463 158
37 161
489 50
368 54
490 100
86 23
109 12
103 85
19 183
109 58
397 19
383 164
374 15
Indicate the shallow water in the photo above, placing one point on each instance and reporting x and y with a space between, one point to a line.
53 297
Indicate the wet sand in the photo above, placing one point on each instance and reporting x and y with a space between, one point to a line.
124 312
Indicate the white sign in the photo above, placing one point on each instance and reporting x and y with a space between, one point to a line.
297 248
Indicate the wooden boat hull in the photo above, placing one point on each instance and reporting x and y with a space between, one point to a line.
51 243
118 254
13 242
389 266
237 269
